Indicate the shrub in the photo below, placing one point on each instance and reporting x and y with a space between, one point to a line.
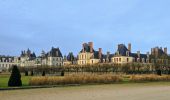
15 78
168 72
32 73
43 73
62 73
159 72
75 79
26 73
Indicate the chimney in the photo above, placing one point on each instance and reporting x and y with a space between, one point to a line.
166 50
151 51
83 46
129 47
138 53
156 52
91 46
147 54
100 53
108 55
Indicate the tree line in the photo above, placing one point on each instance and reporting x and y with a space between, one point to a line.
132 68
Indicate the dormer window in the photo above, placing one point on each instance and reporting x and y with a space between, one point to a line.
3 59
56 53
117 52
127 53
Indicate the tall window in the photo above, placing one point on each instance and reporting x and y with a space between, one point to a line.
119 59
127 59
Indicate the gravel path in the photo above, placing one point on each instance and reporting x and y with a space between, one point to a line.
140 91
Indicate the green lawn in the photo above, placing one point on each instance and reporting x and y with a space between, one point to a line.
4 80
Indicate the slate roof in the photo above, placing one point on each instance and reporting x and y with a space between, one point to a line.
96 55
28 54
135 55
55 52
71 57
6 58
108 57
122 49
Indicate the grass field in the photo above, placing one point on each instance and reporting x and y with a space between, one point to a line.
125 79
4 80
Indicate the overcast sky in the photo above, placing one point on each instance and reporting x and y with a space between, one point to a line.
41 24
